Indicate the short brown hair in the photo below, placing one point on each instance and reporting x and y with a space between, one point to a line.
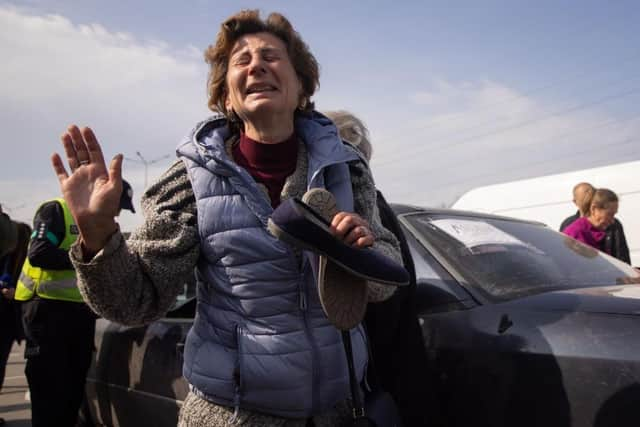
249 22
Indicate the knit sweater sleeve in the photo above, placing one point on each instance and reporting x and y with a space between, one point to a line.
136 281
365 205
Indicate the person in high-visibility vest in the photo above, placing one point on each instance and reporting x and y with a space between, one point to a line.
59 326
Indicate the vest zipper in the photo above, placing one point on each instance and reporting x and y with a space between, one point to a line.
315 374
303 298
236 407
237 376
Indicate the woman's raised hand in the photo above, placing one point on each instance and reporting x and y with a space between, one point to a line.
91 191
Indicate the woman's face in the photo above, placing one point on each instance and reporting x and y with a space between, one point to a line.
262 84
601 218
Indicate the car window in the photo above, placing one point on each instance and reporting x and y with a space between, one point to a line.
424 267
436 290
428 270
504 259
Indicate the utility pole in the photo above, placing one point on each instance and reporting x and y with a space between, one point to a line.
146 163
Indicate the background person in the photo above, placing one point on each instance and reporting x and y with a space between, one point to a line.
58 326
8 234
399 355
615 241
590 229
11 325
261 351
10 266
582 194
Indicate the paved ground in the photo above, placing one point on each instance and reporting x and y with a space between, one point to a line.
14 408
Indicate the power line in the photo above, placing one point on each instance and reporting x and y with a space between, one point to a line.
607 67
496 118
522 124
624 142
538 143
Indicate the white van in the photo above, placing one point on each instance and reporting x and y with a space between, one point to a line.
548 199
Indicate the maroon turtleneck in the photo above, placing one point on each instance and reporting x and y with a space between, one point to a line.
268 164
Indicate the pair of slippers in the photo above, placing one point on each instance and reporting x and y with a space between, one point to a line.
344 270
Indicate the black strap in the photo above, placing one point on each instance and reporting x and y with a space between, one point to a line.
358 407
371 377
6 264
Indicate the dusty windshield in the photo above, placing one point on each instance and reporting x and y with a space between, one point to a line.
506 259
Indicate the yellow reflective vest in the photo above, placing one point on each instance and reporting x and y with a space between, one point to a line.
51 284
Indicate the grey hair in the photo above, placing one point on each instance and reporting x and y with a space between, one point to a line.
352 130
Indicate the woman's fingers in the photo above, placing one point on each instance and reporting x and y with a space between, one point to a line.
58 168
115 168
359 236
82 148
94 151
79 145
352 229
115 172
70 151
344 222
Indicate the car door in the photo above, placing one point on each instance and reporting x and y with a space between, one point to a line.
96 387
438 296
136 378
491 359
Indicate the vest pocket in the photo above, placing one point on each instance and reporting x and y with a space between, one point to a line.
273 373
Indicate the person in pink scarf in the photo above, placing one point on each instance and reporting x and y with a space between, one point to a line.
602 207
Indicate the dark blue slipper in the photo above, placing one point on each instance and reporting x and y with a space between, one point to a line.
297 224
343 296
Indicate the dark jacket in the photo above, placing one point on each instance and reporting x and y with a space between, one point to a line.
615 242
399 356
7 234
569 220
48 232
11 265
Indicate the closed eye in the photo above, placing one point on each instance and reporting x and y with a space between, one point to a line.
270 55
243 59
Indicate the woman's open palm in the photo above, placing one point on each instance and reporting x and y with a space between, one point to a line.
91 191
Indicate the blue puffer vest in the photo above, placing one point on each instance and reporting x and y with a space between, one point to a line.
260 340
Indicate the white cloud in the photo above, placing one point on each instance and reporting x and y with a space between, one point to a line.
137 96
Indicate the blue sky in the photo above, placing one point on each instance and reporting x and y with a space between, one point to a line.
455 94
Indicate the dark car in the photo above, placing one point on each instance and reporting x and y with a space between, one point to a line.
523 326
